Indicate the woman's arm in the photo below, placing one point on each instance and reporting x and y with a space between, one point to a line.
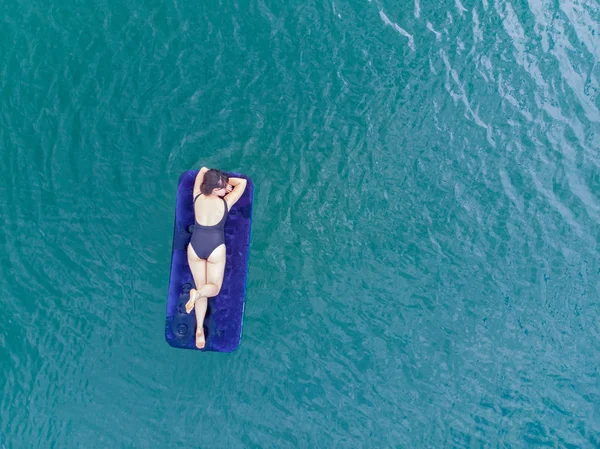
199 179
239 185
235 181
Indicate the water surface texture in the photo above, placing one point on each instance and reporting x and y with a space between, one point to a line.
424 267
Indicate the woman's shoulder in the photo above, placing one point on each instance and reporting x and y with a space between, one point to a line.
208 202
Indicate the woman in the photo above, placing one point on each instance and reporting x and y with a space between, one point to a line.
214 195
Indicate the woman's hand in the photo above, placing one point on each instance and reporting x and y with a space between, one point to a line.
228 188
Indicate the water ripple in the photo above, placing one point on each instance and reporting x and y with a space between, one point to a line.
423 269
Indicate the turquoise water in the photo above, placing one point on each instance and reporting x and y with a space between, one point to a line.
424 267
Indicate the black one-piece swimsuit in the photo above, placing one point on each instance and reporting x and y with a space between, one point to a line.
206 238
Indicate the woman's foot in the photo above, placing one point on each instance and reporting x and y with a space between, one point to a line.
189 306
200 342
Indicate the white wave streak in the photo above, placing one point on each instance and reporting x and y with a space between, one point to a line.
462 96
438 35
460 7
387 21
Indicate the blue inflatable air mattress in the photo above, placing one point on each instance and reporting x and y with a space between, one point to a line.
223 322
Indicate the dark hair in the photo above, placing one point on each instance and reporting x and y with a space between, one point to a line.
213 179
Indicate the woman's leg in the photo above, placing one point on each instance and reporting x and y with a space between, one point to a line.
200 308
215 269
209 284
198 268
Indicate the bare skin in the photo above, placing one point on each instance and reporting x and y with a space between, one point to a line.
208 273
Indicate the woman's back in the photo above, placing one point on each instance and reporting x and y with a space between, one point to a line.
209 211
